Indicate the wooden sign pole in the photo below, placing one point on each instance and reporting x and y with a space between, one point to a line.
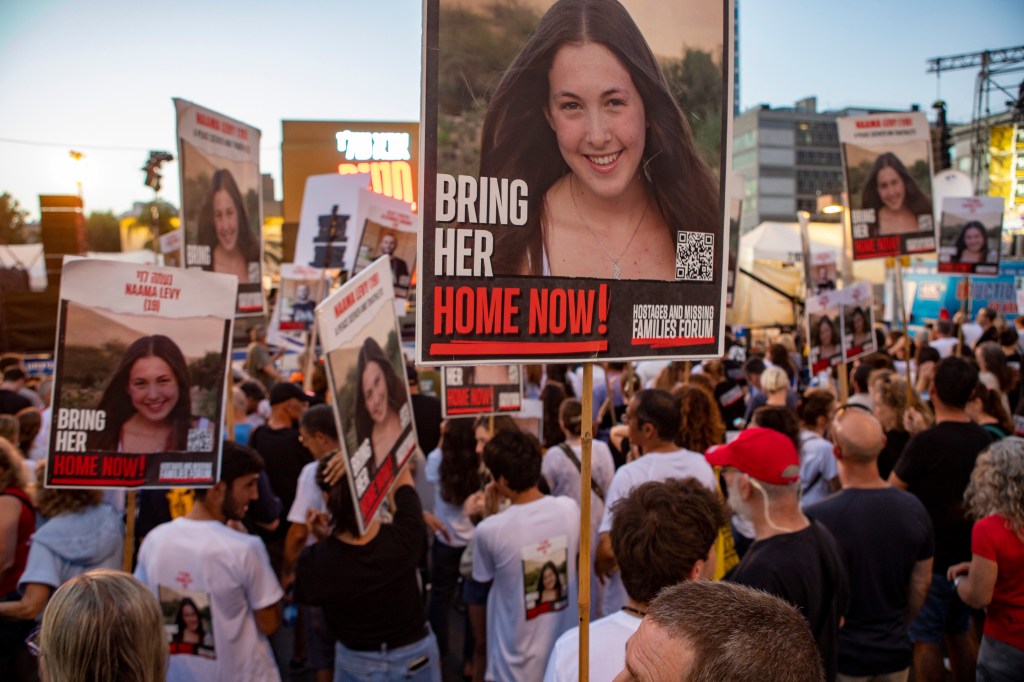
586 441
129 531
901 304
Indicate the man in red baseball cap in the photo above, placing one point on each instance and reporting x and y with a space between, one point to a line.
792 558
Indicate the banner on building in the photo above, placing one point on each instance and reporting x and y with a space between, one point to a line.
141 361
544 242
221 202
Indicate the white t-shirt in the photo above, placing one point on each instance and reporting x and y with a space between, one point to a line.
655 466
227 576
516 549
454 517
817 467
307 496
564 479
608 638
945 345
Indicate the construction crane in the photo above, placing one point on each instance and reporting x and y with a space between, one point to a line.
993 67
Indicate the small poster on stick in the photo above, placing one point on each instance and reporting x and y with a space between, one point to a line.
481 390
366 375
858 321
823 331
141 361
887 163
970 235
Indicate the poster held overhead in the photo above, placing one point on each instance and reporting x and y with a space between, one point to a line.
823 331
141 359
543 245
887 162
366 375
480 390
221 199
328 230
970 235
387 227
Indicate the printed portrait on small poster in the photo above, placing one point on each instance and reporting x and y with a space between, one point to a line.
823 272
481 390
301 290
543 243
188 622
823 332
970 235
388 228
858 321
142 356
887 164
170 247
366 375
546 576
221 204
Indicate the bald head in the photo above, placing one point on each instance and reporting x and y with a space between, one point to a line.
858 434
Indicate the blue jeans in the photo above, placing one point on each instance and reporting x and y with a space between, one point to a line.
389 665
999 661
444 578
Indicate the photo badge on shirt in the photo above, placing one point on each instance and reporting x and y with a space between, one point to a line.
546 576
188 620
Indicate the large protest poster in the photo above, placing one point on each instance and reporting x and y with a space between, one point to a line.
970 235
139 381
571 208
887 165
857 321
478 390
221 204
366 375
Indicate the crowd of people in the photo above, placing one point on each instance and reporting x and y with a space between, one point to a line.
746 524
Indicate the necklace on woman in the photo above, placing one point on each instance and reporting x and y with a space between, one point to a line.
617 269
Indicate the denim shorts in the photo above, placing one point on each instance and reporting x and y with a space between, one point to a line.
999 661
416 662
942 614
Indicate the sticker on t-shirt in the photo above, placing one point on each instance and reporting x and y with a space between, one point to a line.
188 621
546 576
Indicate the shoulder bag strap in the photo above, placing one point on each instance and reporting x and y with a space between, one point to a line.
571 454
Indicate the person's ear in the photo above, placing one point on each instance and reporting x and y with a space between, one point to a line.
547 115
837 452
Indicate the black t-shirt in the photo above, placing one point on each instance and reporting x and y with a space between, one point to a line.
882 534
284 457
806 569
11 402
936 466
426 412
895 442
370 593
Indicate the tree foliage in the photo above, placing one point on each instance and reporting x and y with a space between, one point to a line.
13 220
103 231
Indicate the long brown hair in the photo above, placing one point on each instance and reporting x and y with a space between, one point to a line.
518 143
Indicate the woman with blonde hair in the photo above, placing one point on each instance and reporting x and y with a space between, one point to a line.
775 384
992 579
103 625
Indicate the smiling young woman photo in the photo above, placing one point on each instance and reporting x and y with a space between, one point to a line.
584 115
895 197
224 227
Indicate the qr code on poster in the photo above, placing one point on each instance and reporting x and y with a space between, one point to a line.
695 252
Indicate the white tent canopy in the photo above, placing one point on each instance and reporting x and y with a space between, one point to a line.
772 252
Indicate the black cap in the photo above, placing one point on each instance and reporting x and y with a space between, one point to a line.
286 390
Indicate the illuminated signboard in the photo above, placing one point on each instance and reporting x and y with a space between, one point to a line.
388 152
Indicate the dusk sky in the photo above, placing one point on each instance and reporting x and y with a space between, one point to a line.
98 77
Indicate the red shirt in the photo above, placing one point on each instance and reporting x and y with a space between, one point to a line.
26 526
993 539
